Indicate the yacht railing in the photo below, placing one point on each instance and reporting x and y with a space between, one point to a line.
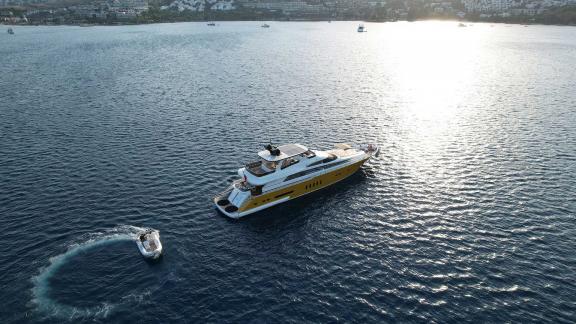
239 184
226 192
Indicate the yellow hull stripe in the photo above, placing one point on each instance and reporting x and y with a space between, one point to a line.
302 188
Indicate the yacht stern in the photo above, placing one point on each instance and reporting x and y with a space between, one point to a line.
226 207
232 199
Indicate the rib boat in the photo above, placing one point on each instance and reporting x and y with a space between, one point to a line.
148 243
289 171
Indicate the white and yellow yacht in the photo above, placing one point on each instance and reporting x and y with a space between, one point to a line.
286 172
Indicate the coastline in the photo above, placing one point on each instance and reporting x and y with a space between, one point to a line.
465 215
132 23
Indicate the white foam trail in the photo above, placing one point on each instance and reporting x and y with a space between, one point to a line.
41 287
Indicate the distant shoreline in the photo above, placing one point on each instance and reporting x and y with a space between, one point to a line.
531 23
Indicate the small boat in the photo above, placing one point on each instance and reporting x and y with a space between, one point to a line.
362 29
148 242
211 24
10 31
461 25
265 26
289 171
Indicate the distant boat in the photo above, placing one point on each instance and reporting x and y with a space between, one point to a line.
265 26
461 25
361 28
211 24
10 31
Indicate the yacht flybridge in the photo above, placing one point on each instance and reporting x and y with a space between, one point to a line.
289 171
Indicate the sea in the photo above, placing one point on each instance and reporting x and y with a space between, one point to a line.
467 216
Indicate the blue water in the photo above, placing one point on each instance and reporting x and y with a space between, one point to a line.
468 215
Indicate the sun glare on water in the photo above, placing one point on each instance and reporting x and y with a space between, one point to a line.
432 67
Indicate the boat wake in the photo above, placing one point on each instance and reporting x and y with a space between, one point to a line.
41 298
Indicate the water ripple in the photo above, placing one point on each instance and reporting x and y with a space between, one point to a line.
467 216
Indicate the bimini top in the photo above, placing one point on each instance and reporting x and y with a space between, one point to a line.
282 152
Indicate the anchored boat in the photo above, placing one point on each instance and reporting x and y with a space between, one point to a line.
287 172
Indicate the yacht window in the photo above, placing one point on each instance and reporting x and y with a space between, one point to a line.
315 163
256 190
270 165
303 173
334 164
330 158
313 170
309 154
288 162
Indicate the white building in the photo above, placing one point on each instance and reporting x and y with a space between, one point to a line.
201 5
181 5
288 6
223 5
486 6
515 7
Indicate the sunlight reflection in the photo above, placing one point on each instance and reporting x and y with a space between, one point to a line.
433 70
435 66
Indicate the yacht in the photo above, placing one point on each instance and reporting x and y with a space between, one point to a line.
265 26
361 28
211 24
289 171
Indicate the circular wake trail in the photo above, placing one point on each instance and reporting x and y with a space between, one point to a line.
41 282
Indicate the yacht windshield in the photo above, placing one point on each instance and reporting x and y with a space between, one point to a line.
269 165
